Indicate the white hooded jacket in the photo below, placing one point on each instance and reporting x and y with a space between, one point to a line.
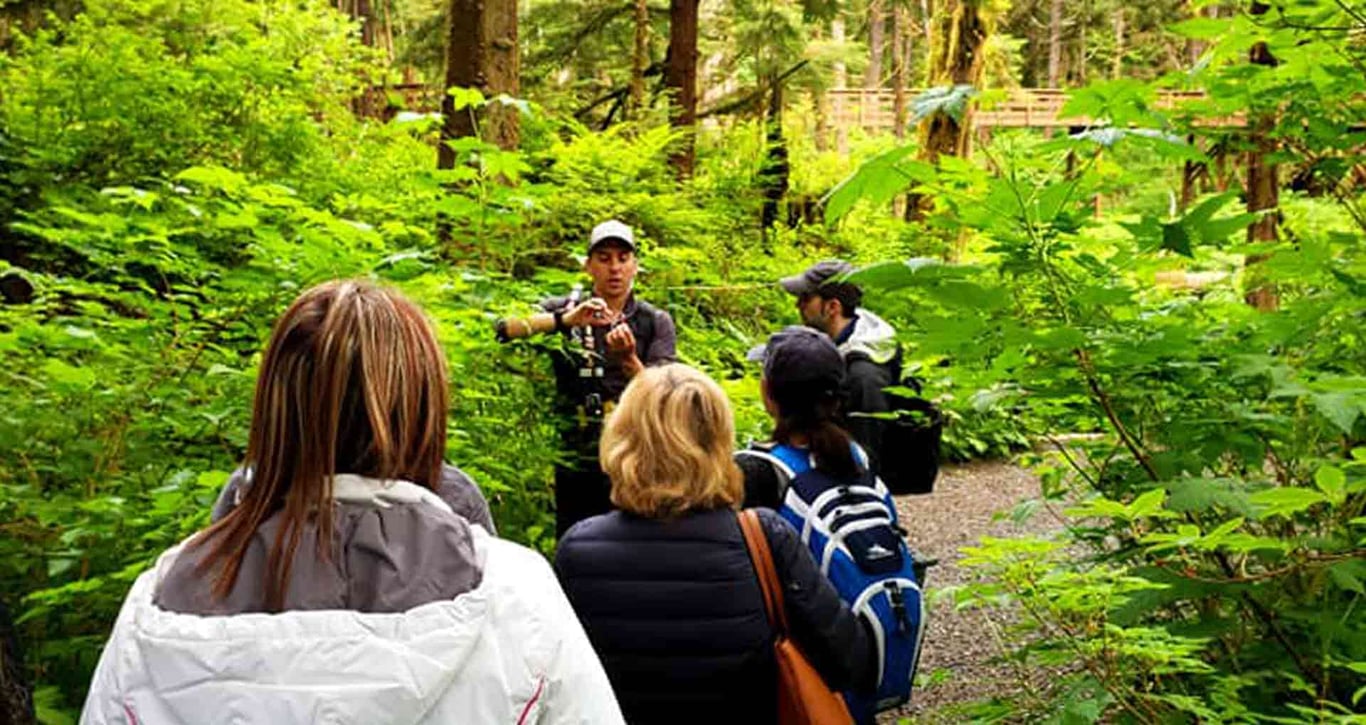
509 651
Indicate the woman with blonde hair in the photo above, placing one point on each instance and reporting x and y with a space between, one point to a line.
665 585
341 587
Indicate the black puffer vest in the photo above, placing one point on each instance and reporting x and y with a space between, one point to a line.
673 609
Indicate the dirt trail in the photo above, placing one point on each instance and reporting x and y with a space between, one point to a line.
959 645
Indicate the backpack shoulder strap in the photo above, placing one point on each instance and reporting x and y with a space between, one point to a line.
782 474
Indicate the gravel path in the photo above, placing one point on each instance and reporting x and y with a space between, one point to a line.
959 645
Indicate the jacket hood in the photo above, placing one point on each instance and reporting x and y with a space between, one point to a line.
872 337
307 666
511 650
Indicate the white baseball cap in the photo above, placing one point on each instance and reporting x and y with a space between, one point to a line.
611 231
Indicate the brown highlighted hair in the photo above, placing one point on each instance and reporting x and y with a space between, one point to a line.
353 381
667 446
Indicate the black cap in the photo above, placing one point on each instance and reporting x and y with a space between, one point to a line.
816 276
801 355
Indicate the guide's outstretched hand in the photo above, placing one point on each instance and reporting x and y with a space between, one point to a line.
593 313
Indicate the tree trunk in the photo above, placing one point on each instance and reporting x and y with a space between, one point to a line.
926 13
840 71
1079 68
481 53
640 59
776 172
1117 64
504 72
872 75
680 78
899 31
1263 189
1055 43
466 53
960 34
370 102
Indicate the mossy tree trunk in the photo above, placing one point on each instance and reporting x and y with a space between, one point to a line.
961 28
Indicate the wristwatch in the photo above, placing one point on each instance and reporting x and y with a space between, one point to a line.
558 315
500 331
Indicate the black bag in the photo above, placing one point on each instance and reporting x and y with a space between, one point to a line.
909 461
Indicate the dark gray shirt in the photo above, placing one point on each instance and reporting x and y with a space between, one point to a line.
655 345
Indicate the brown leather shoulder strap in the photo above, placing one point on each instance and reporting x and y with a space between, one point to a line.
762 558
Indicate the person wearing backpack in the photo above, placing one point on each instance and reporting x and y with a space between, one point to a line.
343 587
904 452
666 585
822 484
606 340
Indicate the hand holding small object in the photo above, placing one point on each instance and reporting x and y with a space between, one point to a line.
621 340
593 313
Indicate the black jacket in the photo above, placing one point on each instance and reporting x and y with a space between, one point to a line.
863 384
674 610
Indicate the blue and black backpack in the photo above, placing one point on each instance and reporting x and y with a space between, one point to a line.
852 531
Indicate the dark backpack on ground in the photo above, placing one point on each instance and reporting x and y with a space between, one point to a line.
852 532
908 460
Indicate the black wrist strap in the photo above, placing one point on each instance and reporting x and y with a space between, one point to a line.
559 320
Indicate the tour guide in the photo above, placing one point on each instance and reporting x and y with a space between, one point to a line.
607 339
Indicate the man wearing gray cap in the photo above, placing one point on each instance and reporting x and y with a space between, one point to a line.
607 339
872 356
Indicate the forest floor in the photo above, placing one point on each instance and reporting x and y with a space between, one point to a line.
958 662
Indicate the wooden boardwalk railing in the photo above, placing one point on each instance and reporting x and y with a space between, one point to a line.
1022 108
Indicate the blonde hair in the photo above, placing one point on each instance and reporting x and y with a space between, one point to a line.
667 446
353 381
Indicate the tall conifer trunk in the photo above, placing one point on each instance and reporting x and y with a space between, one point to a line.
680 78
1055 43
640 58
877 18
899 32
1263 187
481 53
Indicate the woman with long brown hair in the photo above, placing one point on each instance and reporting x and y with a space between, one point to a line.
341 586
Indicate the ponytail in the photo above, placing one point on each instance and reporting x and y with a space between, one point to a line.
815 418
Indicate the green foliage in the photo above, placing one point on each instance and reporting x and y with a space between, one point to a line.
173 173
132 88
1212 568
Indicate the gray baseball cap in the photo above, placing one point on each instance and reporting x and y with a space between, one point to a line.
816 276
798 354
611 231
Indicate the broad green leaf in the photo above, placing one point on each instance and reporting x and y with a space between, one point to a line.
1285 501
1332 482
1201 28
1147 504
1341 408
1348 575
1175 238
465 98
67 375
949 100
877 181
